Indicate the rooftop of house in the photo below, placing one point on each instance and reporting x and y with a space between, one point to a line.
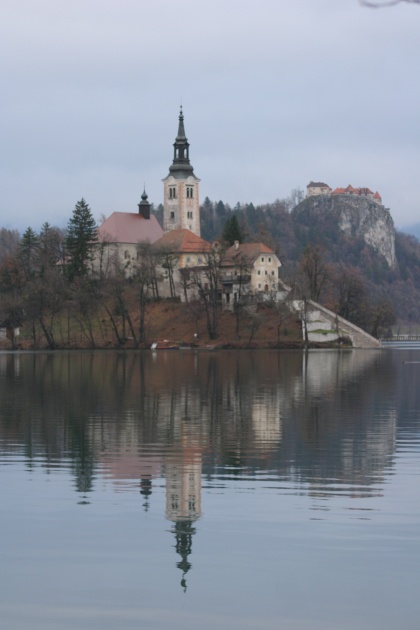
250 251
129 227
183 241
317 185
355 191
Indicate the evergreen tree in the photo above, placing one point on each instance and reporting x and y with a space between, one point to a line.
81 240
28 249
50 248
221 210
232 231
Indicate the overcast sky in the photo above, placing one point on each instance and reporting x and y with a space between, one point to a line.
275 93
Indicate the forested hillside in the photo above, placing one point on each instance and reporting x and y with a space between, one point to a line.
338 269
45 279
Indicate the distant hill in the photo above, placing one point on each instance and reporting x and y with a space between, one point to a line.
369 266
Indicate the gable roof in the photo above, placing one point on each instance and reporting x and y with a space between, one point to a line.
129 227
251 251
317 185
183 241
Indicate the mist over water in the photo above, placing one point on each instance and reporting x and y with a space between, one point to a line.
257 489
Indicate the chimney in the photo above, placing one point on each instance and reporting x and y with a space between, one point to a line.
236 243
144 206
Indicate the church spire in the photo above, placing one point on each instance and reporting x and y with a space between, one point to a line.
181 130
181 206
181 164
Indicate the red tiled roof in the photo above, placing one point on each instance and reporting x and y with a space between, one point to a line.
377 195
128 227
183 241
352 190
251 251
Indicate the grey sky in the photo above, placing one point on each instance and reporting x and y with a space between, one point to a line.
275 93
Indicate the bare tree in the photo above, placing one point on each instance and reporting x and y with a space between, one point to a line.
254 324
114 294
206 281
385 3
145 280
169 262
242 293
312 264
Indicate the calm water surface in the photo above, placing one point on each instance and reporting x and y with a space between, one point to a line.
233 490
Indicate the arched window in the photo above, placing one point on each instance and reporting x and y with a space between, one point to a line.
172 215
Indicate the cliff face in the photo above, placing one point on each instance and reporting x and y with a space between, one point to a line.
355 216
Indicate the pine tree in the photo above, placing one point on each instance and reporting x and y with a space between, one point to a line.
50 247
28 249
232 231
81 241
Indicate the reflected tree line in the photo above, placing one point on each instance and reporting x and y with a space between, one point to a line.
318 419
314 415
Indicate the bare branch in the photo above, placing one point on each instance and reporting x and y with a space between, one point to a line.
385 3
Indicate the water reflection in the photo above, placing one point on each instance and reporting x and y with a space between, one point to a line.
127 415
322 423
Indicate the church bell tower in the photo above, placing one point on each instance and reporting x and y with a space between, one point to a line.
181 207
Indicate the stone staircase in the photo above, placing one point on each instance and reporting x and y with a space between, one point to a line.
324 326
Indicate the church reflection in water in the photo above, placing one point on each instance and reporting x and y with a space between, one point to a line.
319 418
183 504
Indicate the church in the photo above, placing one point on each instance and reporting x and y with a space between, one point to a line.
178 244
121 232
181 208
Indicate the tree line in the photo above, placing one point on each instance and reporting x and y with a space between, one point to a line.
48 281
68 288
342 272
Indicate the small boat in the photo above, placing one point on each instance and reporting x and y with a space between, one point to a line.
164 344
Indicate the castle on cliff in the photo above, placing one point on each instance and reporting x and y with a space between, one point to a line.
319 188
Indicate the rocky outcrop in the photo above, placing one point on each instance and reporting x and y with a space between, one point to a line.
356 216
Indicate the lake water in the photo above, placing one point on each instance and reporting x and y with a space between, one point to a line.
202 490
